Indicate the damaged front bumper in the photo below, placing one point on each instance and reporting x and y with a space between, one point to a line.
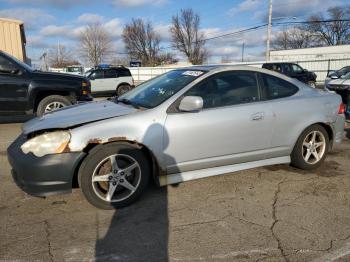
42 176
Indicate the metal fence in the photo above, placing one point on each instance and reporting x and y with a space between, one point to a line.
320 67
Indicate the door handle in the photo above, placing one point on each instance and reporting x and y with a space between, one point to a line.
257 116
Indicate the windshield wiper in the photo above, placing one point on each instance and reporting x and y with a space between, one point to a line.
129 102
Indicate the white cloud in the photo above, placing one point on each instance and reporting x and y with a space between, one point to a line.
114 27
244 6
56 31
164 31
32 17
89 18
36 41
138 3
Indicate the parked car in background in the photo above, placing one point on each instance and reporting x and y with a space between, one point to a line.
341 86
336 74
293 70
110 80
75 69
24 90
186 124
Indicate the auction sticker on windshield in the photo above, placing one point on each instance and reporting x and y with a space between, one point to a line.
192 73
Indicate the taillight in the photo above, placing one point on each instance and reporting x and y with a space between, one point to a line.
341 110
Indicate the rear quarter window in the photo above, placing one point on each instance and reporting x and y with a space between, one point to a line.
123 72
275 87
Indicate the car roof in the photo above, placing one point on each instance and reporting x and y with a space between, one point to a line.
222 68
219 68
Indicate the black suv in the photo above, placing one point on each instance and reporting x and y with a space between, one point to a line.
294 71
24 90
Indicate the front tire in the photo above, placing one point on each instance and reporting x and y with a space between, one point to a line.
311 148
52 103
114 175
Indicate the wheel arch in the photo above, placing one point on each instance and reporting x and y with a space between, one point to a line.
326 126
40 95
123 83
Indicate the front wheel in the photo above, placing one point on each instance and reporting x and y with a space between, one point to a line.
52 103
311 148
114 175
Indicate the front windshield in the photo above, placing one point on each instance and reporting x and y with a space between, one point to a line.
155 91
346 76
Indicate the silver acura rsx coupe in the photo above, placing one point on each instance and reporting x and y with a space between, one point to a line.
186 124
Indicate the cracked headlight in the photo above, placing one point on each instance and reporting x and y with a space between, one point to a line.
49 143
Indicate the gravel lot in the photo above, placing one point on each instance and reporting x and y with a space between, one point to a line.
275 213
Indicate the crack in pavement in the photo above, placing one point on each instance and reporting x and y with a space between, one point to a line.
275 220
47 230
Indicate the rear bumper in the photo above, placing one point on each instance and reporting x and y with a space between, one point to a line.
42 176
338 131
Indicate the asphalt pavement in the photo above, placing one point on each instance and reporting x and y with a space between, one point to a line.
275 213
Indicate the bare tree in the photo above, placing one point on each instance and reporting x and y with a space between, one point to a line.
167 59
331 33
95 43
186 36
60 56
293 38
142 42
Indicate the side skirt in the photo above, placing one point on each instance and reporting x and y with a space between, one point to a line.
214 171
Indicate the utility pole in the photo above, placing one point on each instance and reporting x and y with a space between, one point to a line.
243 52
269 27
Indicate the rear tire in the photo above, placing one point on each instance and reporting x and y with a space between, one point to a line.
122 89
52 103
105 180
311 148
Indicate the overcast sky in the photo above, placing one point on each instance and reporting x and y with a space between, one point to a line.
48 22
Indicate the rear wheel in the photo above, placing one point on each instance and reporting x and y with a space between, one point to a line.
114 175
52 103
122 89
311 148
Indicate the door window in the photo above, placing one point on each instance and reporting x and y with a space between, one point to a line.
297 69
98 74
277 88
110 73
228 88
6 66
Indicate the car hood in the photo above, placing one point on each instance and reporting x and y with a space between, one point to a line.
339 81
77 115
57 76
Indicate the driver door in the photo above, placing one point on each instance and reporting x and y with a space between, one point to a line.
234 126
13 88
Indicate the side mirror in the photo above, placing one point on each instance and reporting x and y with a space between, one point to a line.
334 77
191 104
91 77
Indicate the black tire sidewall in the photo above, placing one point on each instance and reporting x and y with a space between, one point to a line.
96 156
121 87
297 159
49 99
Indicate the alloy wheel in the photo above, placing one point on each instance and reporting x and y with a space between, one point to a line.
116 178
53 106
314 147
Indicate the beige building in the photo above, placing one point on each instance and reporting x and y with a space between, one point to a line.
12 38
